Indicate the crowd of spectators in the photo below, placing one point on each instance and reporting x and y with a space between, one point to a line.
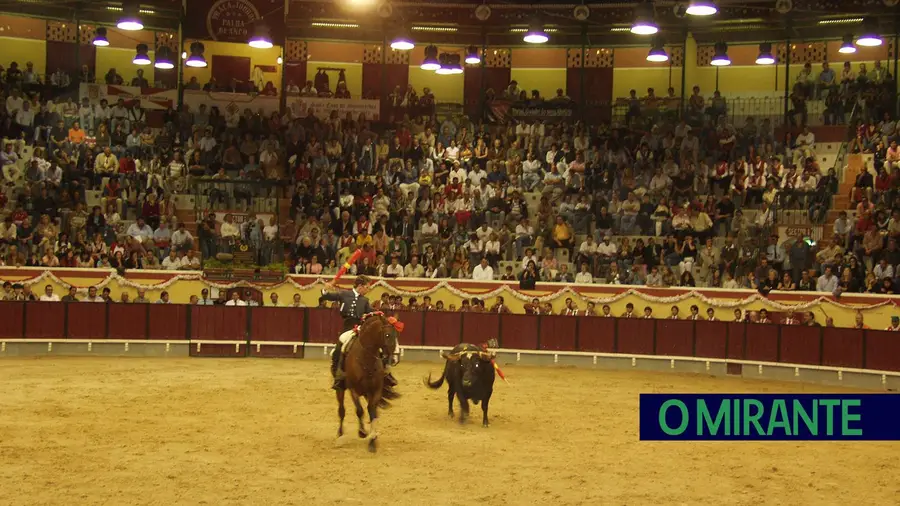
671 197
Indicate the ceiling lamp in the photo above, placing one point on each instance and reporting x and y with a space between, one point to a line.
261 38
644 23
720 59
164 58
657 53
402 42
702 8
196 58
847 46
444 69
431 61
100 39
130 20
473 55
870 37
455 65
536 33
765 54
141 57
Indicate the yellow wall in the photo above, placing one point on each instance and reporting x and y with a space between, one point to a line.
639 79
352 71
25 50
257 57
448 88
546 81
180 292
121 60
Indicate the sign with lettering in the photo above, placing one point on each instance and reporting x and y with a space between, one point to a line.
233 20
501 110
322 107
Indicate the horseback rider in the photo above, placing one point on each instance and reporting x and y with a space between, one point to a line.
354 305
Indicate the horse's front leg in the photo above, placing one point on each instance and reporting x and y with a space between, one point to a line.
341 411
373 415
359 415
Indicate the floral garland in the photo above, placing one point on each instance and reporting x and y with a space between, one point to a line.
500 290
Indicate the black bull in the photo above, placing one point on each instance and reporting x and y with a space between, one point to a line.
470 376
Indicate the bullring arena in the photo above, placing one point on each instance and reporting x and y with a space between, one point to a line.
225 431
174 404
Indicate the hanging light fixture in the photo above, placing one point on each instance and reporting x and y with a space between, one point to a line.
164 58
402 42
847 46
261 38
702 8
870 37
536 33
141 58
455 64
100 39
431 62
644 23
473 55
130 20
720 59
657 53
765 54
444 69
196 58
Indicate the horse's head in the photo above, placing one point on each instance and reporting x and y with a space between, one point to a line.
381 332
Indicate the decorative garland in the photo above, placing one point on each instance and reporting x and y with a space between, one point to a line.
500 290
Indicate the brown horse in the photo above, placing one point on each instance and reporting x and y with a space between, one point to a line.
364 371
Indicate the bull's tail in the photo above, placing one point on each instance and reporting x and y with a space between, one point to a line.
434 385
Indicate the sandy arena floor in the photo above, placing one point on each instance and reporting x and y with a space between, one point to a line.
262 432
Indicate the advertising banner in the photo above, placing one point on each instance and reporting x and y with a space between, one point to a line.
501 111
161 99
322 107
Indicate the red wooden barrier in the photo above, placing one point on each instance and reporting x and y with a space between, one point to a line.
635 335
129 321
597 334
842 347
12 320
442 329
276 324
219 323
518 332
710 339
479 327
737 338
675 338
324 325
86 320
801 345
414 327
882 350
762 342
168 322
558 333
45 320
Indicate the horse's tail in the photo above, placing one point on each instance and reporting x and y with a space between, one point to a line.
434 385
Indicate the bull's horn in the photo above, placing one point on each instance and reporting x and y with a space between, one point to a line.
454 357
487 355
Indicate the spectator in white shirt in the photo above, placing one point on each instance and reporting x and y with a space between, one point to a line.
827 282
49 296
395 270
190 261
92 295
228 230
171 262
140 231
884 270
585 275
483 271
182 240
236 299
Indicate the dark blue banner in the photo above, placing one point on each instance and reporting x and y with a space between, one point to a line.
773 417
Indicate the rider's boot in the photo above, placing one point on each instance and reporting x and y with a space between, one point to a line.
336 369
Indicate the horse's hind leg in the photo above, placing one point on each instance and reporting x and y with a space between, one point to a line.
359 415
372 405
341 411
